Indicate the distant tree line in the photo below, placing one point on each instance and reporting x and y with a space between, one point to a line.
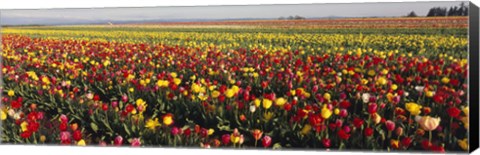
461 10
296 17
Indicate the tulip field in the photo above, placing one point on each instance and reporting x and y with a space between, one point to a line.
374 84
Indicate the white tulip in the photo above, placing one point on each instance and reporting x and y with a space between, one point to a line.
365 97
419 88
252 108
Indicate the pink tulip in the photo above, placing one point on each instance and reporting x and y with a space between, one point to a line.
346 129
315 88
115 104
382 105
102 143
390 125
326 143
118 141
175 131
124 98
343 113
40 115
63 118
65 136
338 123
136 142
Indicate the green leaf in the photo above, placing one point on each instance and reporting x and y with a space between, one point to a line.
277 146
94 127
126 129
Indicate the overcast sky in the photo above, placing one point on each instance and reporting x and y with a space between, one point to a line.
69 16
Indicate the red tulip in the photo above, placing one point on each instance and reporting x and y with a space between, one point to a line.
77 135
287 107
453 112
368 132
129 108
63 126
343 134
266 141
437 148
357 122
426 144
187 132
372 108
406 142
25 134
226 139
104 107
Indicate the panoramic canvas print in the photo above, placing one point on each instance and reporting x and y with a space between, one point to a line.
360 76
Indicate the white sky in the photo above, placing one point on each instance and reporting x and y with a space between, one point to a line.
59 16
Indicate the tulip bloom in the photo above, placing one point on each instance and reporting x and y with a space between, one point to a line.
390 125
257 134
136 142
118 141
453 112
326 113
168 119
266 103
368 131
429 123
226 139
266 141
413 108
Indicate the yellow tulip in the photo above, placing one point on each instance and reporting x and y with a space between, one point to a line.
215 94
336 111
11 93
394 87
413 108
23 126
445 80
326 113
327 96
230 93
257 102
152 124
280 101
3 115
81 143
211 131
306 129
266 103
463 144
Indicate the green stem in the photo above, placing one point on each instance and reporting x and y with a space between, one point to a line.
450 133
430 137
34 138
174 141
